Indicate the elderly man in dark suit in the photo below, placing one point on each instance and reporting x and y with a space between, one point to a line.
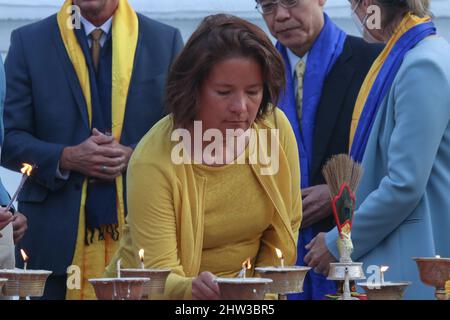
79 98
325 69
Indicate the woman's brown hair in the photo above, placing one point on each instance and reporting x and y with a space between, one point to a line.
395 8
219 37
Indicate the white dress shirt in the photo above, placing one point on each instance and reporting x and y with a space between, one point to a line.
89 27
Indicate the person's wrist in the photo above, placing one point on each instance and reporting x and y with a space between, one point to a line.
128 153
64 161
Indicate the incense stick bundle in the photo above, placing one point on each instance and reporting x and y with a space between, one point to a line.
339 169
343 175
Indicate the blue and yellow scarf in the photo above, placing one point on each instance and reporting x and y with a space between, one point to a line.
379 80
321 58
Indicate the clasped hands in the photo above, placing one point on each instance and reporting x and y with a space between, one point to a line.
100 156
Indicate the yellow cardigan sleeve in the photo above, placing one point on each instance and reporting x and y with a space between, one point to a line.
152 222
289 145
266 255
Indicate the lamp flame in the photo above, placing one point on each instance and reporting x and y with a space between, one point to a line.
279 253
24 255
280 256
247 264
26 169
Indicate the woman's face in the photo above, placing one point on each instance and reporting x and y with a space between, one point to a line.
231 95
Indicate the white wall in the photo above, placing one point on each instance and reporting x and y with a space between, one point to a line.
185 14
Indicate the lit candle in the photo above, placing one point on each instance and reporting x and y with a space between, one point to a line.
141 257
245 265
25 259
118 268
383 269
26 172
280 256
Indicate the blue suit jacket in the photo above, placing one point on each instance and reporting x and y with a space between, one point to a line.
403 203
334 113
45 111
4 197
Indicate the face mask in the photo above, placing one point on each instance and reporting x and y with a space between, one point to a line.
361 26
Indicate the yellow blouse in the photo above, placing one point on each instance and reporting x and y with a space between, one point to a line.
166 207
248 214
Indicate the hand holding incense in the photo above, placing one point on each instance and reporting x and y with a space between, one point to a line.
26 172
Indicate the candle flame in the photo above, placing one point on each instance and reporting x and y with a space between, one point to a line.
247 264
26 169
141 255
279 253
24 255
384 268
438 256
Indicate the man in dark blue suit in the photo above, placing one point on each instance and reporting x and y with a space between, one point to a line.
325 69
77 103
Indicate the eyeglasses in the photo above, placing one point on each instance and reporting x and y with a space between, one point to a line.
266 7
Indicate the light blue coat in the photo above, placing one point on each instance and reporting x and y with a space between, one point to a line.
4 198
403 203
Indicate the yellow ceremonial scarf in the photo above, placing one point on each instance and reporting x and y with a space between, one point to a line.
409 21
93 259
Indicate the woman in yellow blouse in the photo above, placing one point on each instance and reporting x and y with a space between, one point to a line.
203 206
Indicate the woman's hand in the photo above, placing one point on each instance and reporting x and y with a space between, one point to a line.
204 288
20 226
5 217
319 257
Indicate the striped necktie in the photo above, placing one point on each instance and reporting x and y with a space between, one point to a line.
300 73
